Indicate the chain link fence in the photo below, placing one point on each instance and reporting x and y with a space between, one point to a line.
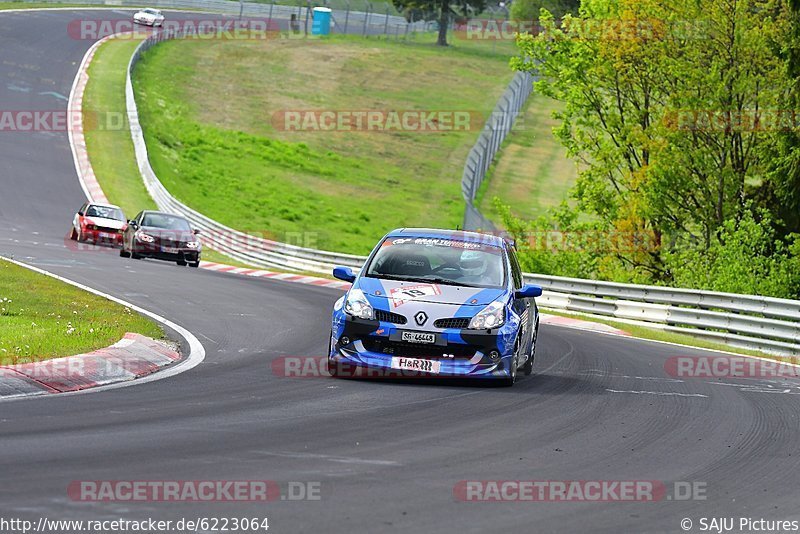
483 152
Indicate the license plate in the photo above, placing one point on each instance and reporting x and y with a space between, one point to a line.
170 250
416 364
105 235
418 337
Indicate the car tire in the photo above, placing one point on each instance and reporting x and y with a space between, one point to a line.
181 263
73 235
124 253
527 369
195 264
135 256
333 369
512 379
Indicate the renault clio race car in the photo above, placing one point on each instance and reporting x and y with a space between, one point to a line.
436 303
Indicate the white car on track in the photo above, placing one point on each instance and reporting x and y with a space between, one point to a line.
149 17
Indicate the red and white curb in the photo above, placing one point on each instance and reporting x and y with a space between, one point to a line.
579 324
286 277
77 140
134 356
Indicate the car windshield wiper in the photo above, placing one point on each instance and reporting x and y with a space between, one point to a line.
444 281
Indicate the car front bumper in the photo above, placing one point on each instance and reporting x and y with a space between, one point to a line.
166 253
376 346
102 236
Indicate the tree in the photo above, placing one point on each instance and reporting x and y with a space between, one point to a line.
441 10
657 97
528 10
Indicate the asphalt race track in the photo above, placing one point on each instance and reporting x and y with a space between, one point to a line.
386 455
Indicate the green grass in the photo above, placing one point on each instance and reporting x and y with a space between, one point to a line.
111 149
655 334
42 318
531 173
207 106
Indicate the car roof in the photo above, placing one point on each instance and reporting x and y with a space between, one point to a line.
156 212
103 205
454 235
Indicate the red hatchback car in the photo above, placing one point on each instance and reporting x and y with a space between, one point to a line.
99 223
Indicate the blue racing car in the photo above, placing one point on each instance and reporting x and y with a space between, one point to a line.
436 303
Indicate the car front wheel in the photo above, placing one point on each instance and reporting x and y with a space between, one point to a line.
333 369
511 379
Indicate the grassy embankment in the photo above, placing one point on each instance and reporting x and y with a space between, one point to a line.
42 318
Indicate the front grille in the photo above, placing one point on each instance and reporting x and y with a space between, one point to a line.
453 322
412 350
169 242
108 230
390 317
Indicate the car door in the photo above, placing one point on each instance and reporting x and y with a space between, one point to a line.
522 307
76 221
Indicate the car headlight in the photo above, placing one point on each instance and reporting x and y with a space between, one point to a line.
357 304
144 238
492 316
193 244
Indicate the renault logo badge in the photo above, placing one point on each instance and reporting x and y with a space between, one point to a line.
420 318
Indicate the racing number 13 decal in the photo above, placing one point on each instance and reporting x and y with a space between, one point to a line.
401 295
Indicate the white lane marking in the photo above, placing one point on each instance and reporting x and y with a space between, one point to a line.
196 351
598 372
328 458
55 95
208 338
659 393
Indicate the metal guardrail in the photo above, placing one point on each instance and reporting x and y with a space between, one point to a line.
760 323
754 322
482 154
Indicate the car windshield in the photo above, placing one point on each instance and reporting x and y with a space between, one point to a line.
168 222
105 212
443 261
151 11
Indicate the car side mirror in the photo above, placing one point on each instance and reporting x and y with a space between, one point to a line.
528 291
344 273
132 224
196 231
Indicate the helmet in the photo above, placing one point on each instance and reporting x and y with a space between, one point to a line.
473 263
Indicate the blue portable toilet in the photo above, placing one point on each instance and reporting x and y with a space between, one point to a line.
322 21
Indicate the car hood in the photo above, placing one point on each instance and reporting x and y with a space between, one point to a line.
106 223
175 235
399 293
